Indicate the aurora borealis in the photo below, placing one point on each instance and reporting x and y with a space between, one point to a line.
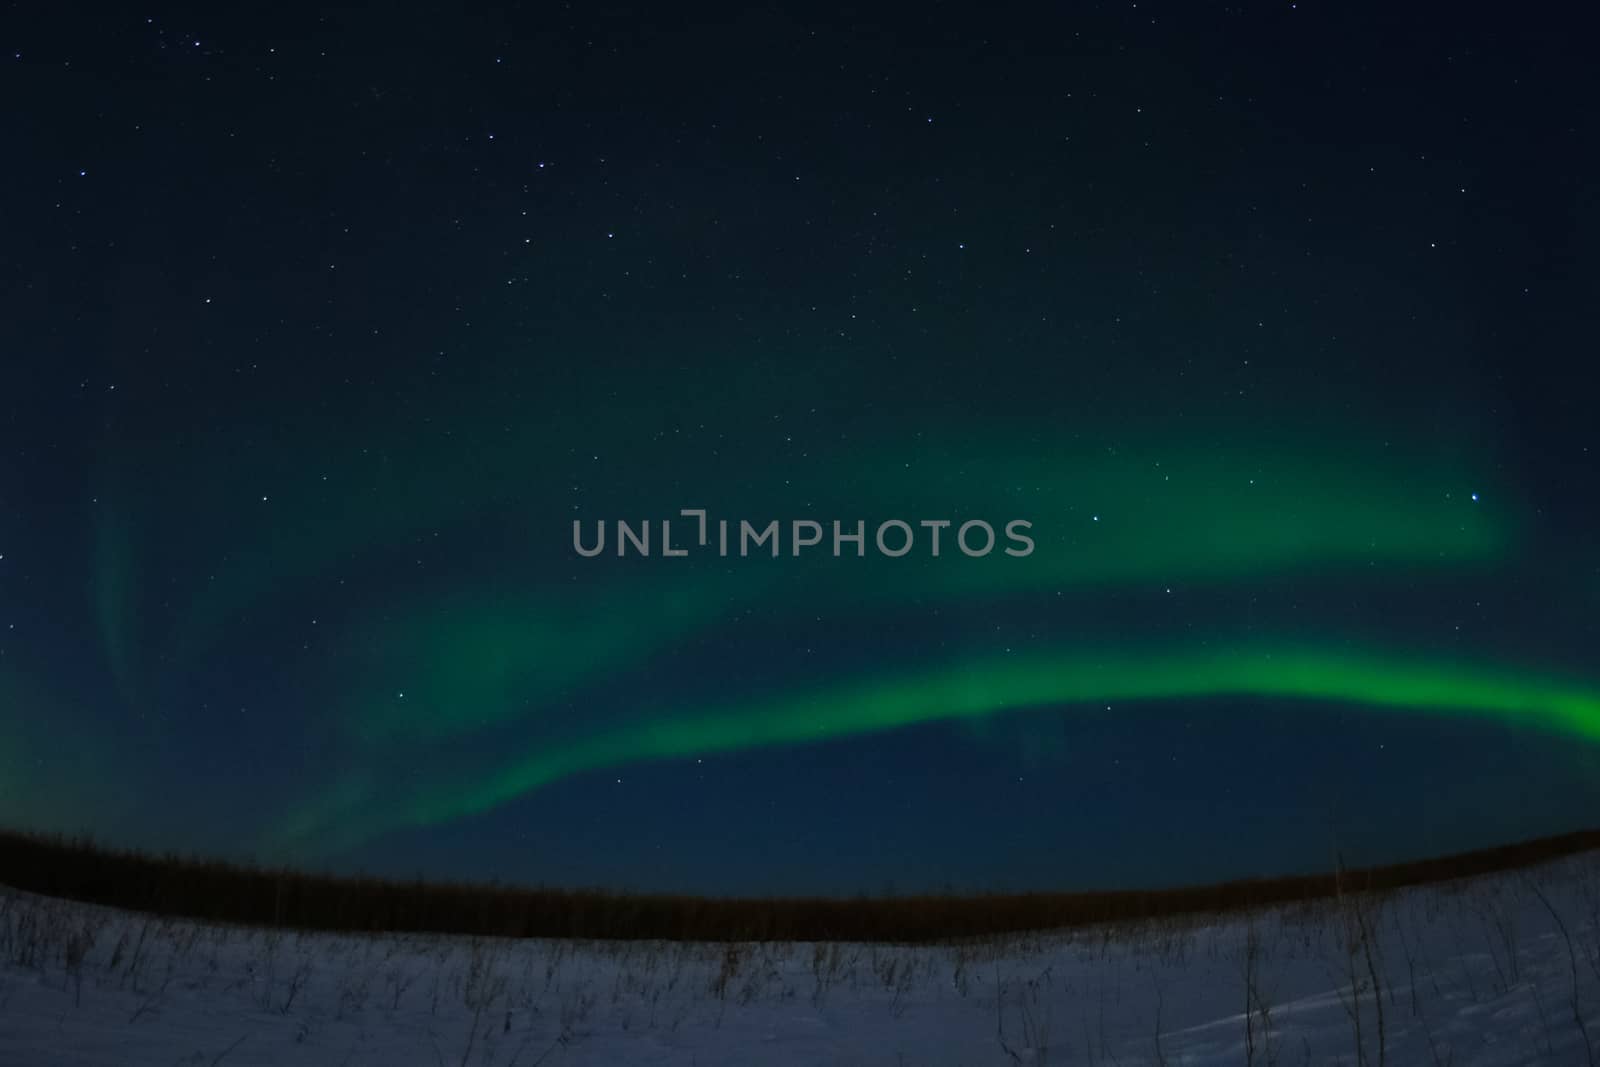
321 332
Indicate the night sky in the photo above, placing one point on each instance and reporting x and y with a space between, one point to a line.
320 327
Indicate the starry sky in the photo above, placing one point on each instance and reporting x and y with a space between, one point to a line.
321 327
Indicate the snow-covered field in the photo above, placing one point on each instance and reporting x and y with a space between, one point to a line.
1498 970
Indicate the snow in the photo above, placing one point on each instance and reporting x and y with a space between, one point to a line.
1467 974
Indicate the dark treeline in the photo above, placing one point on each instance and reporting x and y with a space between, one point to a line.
203 889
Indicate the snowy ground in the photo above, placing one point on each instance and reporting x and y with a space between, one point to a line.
1500 970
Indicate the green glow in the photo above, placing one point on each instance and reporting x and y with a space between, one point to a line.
42 738
988 686
502 653
488 654
465 662
1179 511
113 593
1167 510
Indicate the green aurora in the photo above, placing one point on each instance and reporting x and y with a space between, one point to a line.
494 683
981 687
